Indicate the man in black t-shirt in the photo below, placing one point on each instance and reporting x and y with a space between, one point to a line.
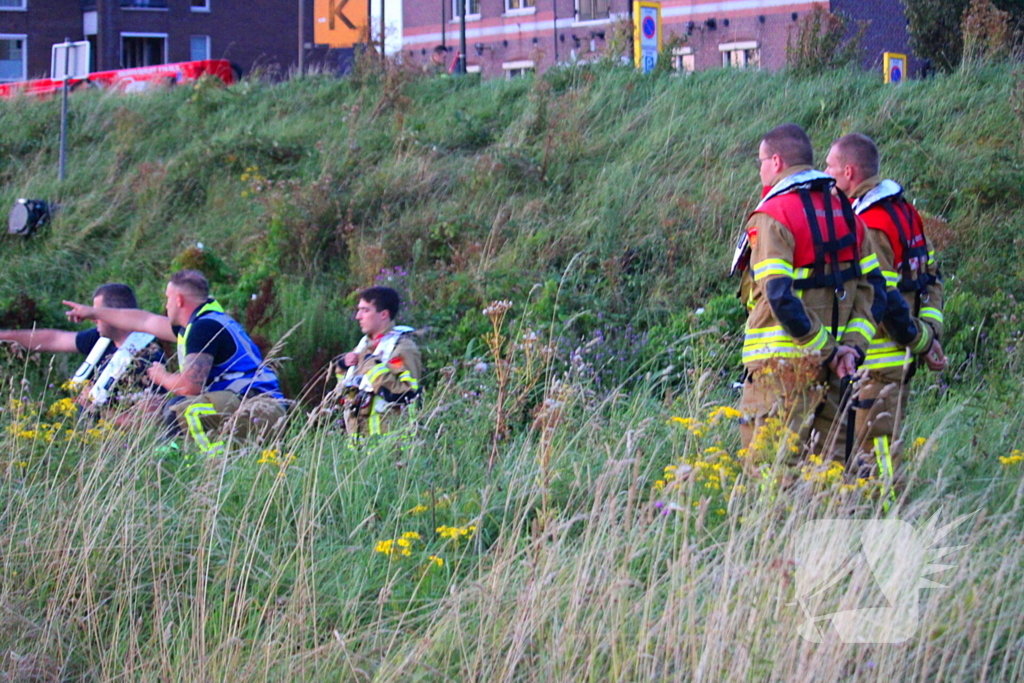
111 295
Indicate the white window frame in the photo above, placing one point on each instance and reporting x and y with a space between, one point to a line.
23 37
136 34
469 17
742 48
518 65
591 22
521 10
193 37
205 8
23 8
680 62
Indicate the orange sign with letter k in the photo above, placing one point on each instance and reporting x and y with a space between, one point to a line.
340 23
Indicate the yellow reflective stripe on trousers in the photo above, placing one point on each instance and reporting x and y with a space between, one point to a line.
931 313
891 278
772 266
193 418
883 457
373 422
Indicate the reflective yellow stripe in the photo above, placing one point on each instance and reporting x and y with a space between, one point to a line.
772 266
924 342
193 418
817 343
868 263
772 342
884 353
376 372
407 377
373 423
883 457
863 326
931 313
891 278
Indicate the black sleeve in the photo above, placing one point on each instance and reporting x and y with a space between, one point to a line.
787 307
898 322
210 337
880 303
86 339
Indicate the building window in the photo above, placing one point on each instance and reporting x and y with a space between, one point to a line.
200 5
200 48
683 60
744 55
12 4
517 5
12 57
143 49
591 10
472 8
144 4
519 68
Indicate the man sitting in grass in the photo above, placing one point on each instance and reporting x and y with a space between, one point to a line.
380 378
222 385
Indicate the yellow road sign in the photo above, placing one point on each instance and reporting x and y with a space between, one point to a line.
341 23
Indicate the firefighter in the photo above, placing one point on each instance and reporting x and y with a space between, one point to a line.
907 261
380 379
813 299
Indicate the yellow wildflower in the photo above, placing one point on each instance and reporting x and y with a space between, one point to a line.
727 412
63 408
434 559
1013 458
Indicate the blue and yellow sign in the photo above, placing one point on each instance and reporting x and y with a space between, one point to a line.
895 66
646 34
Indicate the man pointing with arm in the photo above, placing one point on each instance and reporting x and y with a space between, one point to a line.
221 371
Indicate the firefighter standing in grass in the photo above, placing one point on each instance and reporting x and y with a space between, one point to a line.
912 277
814 294
380 378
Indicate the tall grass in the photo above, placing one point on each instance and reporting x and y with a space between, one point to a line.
120 561
603 205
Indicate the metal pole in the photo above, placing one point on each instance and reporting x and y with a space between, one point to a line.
444 33
64 112
302 40
462 35
382 30
554 26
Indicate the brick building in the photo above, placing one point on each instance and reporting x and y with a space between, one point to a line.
126 33
506 38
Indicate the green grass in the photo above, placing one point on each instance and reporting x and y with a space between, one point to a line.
604 205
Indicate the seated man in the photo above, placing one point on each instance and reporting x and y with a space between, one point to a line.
382 374
135 383
222 380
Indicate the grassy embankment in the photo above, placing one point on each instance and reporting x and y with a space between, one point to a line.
603 205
